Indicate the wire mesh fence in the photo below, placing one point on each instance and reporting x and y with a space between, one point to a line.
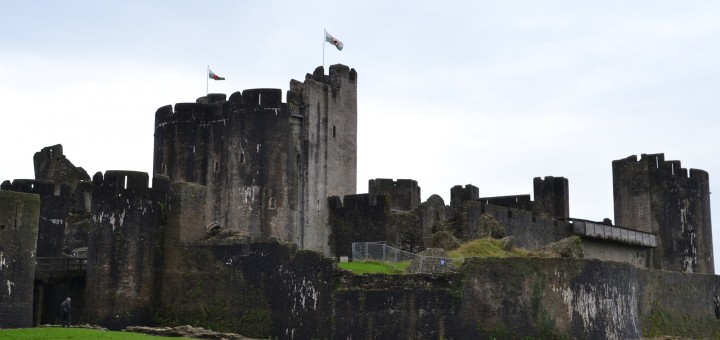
380 251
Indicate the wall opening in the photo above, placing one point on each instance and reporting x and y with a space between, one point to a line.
672 169
334 133
657 162
124 181
259 99
217 166
2 227
242 158
17 213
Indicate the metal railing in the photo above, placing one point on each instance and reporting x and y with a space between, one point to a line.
54 264
380 251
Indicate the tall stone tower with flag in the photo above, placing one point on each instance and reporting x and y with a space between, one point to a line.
267 166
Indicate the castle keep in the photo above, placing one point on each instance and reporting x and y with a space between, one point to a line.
253 200
268 166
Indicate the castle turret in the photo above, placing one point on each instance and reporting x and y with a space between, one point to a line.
658 196
551 196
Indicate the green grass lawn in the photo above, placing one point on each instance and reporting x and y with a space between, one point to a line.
72 333
375 267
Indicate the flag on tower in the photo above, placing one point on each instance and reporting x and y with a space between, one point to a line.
214 76
329 38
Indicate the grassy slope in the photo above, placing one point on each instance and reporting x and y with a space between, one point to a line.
485 247
72 333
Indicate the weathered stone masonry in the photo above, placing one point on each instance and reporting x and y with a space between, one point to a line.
19 216
268 166
658 196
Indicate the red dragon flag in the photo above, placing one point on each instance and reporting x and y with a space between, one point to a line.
329 38
214 76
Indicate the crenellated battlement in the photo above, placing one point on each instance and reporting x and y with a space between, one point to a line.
215 108
190 112
656 163
117 181
459 195
44 188
405 193
337 72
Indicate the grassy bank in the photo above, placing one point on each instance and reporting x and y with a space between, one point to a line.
375 267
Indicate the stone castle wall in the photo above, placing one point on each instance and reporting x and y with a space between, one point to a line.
19 216
124 241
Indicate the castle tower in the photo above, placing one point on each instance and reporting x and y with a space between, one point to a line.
268 166
658 196
551 196
19 216
123 247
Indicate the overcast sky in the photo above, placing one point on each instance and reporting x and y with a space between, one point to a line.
491 93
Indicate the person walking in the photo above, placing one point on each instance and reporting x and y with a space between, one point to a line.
65 309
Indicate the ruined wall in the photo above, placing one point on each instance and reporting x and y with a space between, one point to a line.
19 216
268 166
52 165
405 193
433 216
659 196
55 204
123 245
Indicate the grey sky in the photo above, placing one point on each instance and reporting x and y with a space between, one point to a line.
491 93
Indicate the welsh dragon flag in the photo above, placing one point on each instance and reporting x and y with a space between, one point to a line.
214 76
329 38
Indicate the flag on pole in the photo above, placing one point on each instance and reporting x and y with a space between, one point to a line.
214 76
329 38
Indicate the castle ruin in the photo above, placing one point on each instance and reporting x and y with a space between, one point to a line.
252 200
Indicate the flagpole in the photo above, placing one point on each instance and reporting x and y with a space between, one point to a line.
207 80
323 64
